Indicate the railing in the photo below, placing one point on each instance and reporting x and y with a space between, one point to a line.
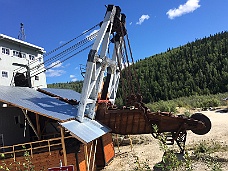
32 147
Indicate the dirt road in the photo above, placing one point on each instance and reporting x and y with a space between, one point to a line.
147 153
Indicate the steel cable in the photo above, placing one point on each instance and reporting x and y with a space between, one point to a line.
54 50
45 69
66 52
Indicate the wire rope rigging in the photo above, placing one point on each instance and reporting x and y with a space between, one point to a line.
60 47
62 56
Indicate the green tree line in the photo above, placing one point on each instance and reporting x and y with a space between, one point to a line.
76 85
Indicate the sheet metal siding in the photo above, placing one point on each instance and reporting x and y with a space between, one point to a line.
64 93
86 131
37 102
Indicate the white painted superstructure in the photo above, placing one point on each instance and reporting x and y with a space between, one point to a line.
15 53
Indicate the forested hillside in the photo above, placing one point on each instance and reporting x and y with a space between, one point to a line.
199 67
77 85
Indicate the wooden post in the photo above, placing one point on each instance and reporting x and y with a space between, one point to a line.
30 122
130 142
38 125
86 156
94 155
118 145
90 153
63 146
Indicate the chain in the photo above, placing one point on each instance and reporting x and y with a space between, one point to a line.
120 68
128 68
133 65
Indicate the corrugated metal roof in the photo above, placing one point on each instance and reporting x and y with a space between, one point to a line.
86 131
64 93
37 102
32 100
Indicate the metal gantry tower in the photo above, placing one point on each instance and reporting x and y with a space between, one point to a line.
21 35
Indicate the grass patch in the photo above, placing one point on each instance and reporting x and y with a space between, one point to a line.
205 101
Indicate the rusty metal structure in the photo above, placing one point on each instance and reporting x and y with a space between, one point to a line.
140 120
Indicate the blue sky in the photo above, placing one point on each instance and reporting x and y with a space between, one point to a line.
153 25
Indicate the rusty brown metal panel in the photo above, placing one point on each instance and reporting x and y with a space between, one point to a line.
140 121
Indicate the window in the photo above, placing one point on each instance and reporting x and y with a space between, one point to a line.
5 51
36 77
22 55
19 54
16 53
5 74
32 57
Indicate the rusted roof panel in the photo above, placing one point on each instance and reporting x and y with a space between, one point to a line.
34 101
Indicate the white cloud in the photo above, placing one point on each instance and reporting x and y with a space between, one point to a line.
72 76
61 42
54 73
142 19
68 64
130 23
189 6
56 64
74 79
93 32
125 65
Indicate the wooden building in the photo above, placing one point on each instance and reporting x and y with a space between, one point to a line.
44 127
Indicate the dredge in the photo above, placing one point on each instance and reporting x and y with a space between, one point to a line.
135 117
82 124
